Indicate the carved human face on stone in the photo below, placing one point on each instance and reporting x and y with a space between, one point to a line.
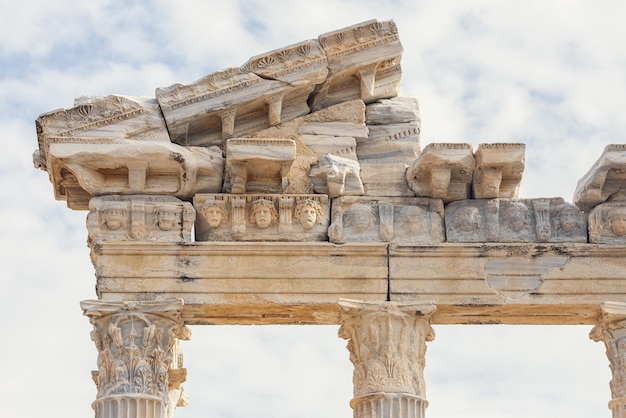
569 218
617 218
263 213
411 219
468 219
361 218
167 219
114 218
516 217
306 213
214 215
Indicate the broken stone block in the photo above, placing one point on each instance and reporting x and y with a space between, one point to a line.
514 220
258 165
392 145
499 169
337 176
363 63
267 217
607 223
129 168
442 171
605 181
139 218
400 220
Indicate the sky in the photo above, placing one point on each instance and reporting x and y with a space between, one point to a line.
551 75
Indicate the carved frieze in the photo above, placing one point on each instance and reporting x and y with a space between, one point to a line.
605 181
607 223
499 169
443 171
258 165
95 120
514 220
136 349
409 221
387 344
363 63
139 218
267 217
393 143
129 168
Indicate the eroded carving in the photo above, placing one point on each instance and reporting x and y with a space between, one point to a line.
499 169
605 180
136 349
442 171
267 217
143 218
394 219
514 220
387 344
607 223
337 176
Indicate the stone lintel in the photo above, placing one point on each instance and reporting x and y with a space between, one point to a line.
297 283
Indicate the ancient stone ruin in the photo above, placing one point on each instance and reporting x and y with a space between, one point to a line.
294 190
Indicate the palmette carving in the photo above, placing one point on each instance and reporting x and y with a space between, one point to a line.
387 344
136 344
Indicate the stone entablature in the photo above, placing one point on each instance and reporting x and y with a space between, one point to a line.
302 174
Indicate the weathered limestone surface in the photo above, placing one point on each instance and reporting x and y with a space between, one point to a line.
392 145
514 220
605 180
398 220
258 165
443 171
266 217
141 218
499 169
387 344
137 344
607 223
130 168
363 62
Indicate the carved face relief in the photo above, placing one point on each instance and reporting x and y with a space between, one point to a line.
114 218
468 219
263 217
617 219
569 219
411 219
361 218
213 215
516 217
307 217
166 219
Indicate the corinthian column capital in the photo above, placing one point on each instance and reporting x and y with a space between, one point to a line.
137 346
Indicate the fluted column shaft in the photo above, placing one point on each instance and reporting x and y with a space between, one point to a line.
387 344
139 360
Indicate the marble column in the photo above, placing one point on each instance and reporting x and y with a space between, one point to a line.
387 344
611 329
139 359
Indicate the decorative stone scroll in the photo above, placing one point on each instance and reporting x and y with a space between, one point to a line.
514 220
258 165
129 168
611 329
140 218
387 344
605 181
363 63
137 347
499 169
267 217
607 223
392 145
443 171
409 221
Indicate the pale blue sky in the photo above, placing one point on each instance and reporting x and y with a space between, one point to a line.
551 75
